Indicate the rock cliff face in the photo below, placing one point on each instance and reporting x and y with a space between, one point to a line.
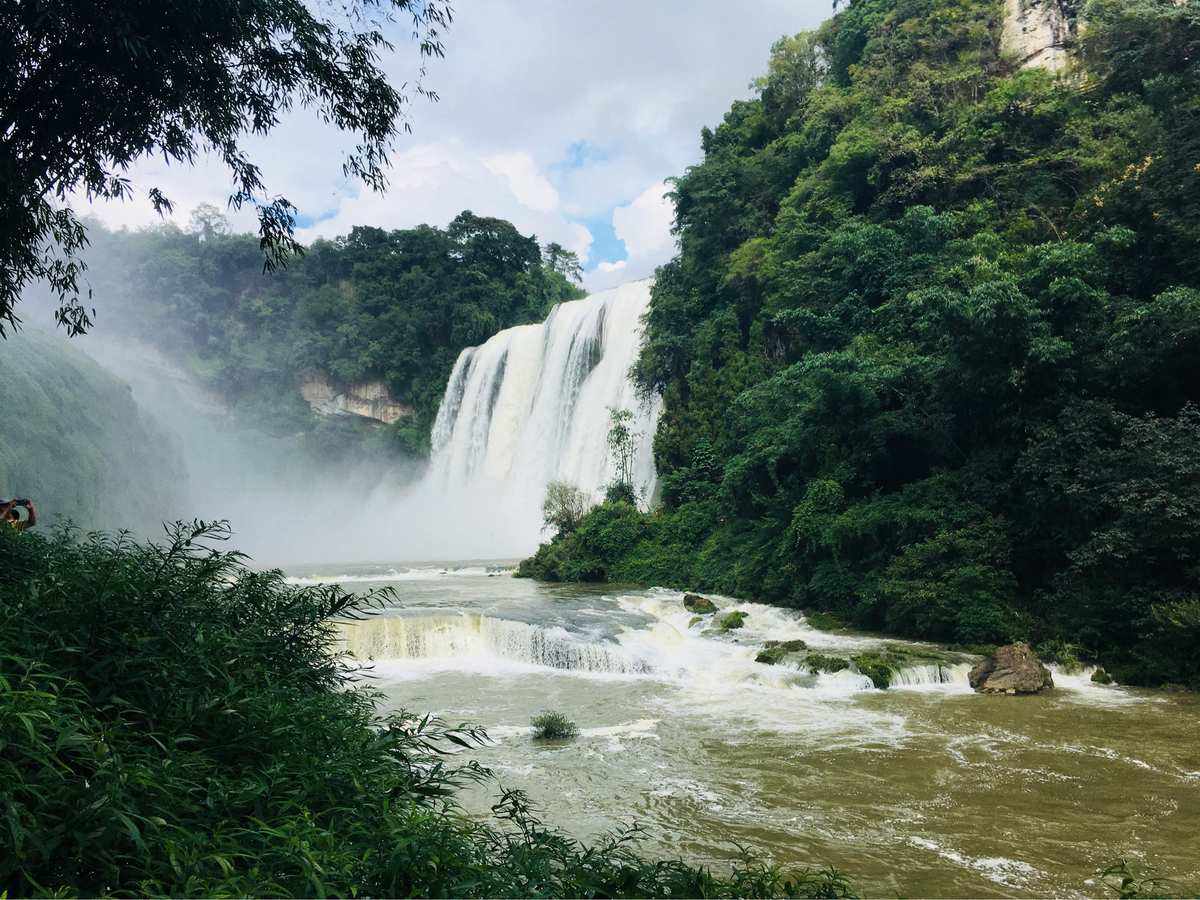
370 399
1037 32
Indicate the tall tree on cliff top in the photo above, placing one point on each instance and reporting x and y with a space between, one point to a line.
88 87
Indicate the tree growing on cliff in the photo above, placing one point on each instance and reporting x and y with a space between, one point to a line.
622 449
89 87
564 507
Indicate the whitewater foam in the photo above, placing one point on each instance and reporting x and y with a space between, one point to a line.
422 573
471 636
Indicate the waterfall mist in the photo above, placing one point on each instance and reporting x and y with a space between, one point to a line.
283 503
528 406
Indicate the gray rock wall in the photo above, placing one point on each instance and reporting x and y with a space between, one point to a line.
1038 32
371 399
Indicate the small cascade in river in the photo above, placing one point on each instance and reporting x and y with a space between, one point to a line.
470 635
932 673
531 405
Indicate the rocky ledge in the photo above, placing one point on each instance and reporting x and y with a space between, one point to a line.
368 400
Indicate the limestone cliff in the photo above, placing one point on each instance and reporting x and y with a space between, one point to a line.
1038 32
369 399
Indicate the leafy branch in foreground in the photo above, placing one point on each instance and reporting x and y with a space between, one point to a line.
173 722
192 78
1129 880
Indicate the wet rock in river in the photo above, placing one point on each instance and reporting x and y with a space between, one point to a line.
775 652
1012 669
697 604
731 620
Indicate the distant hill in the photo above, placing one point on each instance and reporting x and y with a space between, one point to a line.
74 441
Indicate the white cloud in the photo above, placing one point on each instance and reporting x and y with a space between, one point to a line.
528 185
645 224
523 81
435 182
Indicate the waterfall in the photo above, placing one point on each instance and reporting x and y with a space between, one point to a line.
472 636
531 405
931 674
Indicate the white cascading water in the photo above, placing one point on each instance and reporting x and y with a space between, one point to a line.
471 635
932 674
531 405
669 644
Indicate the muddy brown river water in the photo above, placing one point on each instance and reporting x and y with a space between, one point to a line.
923 789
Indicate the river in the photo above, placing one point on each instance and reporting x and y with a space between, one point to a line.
926 789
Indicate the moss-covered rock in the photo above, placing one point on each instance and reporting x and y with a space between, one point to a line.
1101 677
820 662
699 605
774 652
731 620
877 667
694 621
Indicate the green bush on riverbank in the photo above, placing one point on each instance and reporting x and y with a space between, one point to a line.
172 723
930 351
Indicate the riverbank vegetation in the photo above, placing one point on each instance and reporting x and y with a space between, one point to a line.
172 723
930 350
374 305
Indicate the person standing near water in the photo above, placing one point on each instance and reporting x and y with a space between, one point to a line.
12 518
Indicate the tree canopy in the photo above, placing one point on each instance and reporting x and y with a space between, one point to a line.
374 305
89 87
930 352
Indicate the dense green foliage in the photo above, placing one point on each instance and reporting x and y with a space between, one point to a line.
191 77
551 725
172 723
74 441
395 306
930 351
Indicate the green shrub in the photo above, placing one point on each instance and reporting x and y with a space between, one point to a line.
1063 653
174 723
553 726
823 621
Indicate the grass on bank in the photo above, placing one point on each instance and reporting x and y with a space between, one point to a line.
172 722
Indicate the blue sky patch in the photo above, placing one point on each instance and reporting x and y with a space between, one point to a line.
580 154
606 246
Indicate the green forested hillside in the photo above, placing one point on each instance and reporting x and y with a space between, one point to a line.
74 442
391 305
930 351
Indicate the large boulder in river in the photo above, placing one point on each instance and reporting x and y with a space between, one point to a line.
700 605
1012 669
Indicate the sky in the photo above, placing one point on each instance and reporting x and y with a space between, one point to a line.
565 117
